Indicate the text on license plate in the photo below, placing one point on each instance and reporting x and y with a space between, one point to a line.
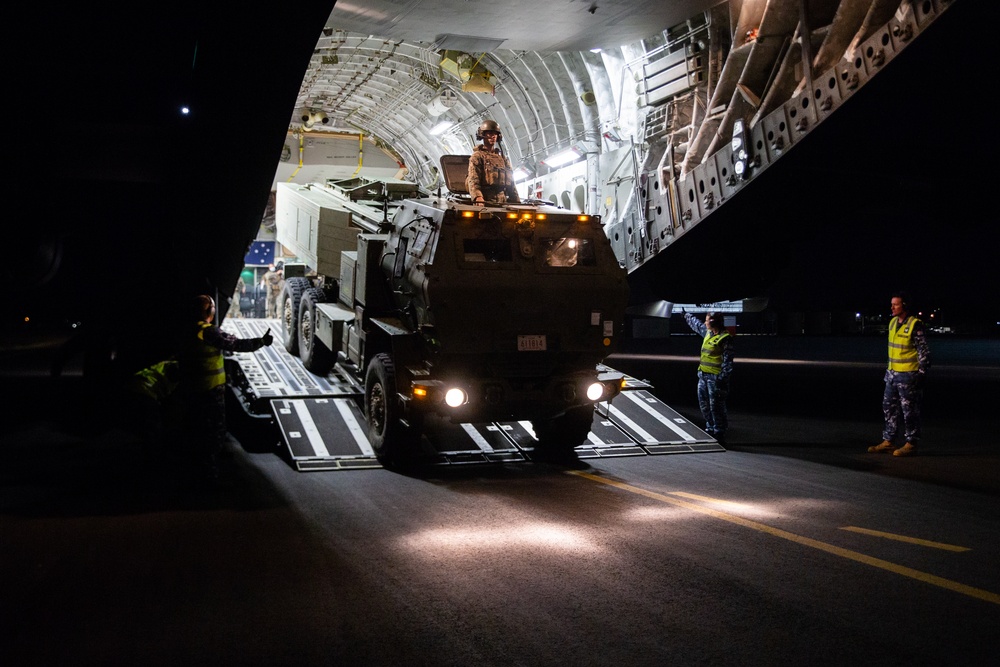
531 343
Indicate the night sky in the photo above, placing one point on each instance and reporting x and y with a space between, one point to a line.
907 202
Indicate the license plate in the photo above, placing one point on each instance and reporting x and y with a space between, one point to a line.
531 343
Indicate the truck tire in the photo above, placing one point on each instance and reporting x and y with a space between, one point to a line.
394 443
559 436
288 311
315 355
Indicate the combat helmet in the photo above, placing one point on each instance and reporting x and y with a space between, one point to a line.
489 126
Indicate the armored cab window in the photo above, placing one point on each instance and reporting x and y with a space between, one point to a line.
568 252
487 250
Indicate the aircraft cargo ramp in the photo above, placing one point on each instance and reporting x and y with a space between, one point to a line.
321 423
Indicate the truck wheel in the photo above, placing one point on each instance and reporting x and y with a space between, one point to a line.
315 355
394 443
559 436
288 311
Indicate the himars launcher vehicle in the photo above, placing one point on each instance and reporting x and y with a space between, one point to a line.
471 313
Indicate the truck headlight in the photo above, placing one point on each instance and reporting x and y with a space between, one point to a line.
455 397
606 388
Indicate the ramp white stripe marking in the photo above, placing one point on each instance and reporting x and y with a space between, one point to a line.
309 426
477 437
644 404
643 435
360 435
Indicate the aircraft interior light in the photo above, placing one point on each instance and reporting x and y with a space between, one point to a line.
563 157
442 127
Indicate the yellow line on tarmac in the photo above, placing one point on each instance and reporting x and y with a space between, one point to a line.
707 499
799 539
903 538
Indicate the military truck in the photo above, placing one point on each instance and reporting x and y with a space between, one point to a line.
445 309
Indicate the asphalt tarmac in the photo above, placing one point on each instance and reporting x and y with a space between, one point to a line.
97 522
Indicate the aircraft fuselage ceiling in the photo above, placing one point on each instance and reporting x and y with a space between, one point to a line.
689 123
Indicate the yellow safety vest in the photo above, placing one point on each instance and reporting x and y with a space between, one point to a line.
711 353
207 362
158 381
902 351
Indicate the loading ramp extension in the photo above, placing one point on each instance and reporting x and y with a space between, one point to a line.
322 425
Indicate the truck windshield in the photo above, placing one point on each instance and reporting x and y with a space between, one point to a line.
568 251
487 250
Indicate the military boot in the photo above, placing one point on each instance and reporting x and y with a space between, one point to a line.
883 446
909 449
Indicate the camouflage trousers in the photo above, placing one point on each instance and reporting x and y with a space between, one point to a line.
712 396
903 395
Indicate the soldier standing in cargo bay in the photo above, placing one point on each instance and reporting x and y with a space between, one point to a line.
490 178
273 282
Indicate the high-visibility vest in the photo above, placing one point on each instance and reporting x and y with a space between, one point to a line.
207 362
902 351
158 381
711 352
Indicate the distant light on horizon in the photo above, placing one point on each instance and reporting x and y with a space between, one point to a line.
185 110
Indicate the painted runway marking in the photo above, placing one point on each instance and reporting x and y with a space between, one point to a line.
904 538
799 539
707 499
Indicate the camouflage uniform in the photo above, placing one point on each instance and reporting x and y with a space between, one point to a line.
234 306
491 177
904 390
713 387
273 283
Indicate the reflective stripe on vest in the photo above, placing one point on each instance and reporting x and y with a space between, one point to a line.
208 361
711 353
902 351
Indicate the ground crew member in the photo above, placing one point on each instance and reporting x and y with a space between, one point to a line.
149 391
714 371
203 382
273 283
909 361
490 177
